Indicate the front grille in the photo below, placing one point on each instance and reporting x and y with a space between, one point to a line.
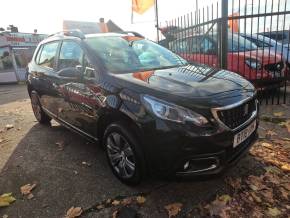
238 115
277 67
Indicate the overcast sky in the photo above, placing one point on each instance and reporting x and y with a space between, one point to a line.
47 16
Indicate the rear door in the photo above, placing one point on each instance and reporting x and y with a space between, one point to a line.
44 75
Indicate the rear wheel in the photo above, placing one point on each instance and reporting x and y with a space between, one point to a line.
124 154
37 109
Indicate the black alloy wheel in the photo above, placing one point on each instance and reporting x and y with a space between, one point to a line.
37 109
124 154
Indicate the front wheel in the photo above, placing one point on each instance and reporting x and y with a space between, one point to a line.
39 114
124 154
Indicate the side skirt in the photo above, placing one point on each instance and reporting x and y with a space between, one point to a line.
70 126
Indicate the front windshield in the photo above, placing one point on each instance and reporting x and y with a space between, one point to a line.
238 43
131 54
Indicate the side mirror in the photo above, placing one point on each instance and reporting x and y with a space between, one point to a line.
70 72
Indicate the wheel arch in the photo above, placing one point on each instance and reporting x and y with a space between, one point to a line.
29 89
112 116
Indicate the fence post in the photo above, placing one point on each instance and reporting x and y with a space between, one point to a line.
223 52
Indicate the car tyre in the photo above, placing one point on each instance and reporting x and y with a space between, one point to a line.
124 153
39 114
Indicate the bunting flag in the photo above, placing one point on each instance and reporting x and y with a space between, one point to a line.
143 11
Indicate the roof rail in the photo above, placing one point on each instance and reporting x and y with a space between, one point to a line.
75 33
133 33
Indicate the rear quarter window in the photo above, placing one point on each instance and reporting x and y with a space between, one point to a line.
47 55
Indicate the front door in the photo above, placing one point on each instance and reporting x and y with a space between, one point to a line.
79 104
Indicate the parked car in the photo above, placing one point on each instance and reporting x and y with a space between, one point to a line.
262 68
281 36
151 111
263 42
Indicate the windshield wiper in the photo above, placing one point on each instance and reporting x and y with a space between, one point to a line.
167 67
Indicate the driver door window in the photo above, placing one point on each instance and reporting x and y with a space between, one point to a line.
71 55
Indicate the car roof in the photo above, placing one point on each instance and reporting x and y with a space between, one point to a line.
105 35
60 36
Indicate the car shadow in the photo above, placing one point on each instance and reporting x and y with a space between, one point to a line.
70 171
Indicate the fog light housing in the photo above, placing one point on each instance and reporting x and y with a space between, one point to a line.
199 165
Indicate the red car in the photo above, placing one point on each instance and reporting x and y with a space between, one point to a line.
259 66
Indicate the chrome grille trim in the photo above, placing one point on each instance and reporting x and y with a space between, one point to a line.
223 125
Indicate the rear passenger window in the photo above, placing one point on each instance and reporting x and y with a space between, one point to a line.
48 54
71 55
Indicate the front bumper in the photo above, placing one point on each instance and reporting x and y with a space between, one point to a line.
214 163
173 152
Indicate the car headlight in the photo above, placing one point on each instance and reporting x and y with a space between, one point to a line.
253 63
172 112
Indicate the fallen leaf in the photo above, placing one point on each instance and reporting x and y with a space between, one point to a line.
287 125
173 209
60 145
257 213
26 189
273 178
282 124
286 186
273 170
114 215
268 195
225 198
115 202
6 199
100 207
9 126
74 212
270 133
127 201
273 212
256 198
286 139
266 145
219 206
60 110
278 114
253 187
286 167
140 199
235 183
30 196
255 183
284 193
86 163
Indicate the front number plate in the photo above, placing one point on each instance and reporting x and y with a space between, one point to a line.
244 134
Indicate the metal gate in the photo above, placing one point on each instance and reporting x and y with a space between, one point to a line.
248 37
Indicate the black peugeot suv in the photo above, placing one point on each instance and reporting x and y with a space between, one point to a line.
153 112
